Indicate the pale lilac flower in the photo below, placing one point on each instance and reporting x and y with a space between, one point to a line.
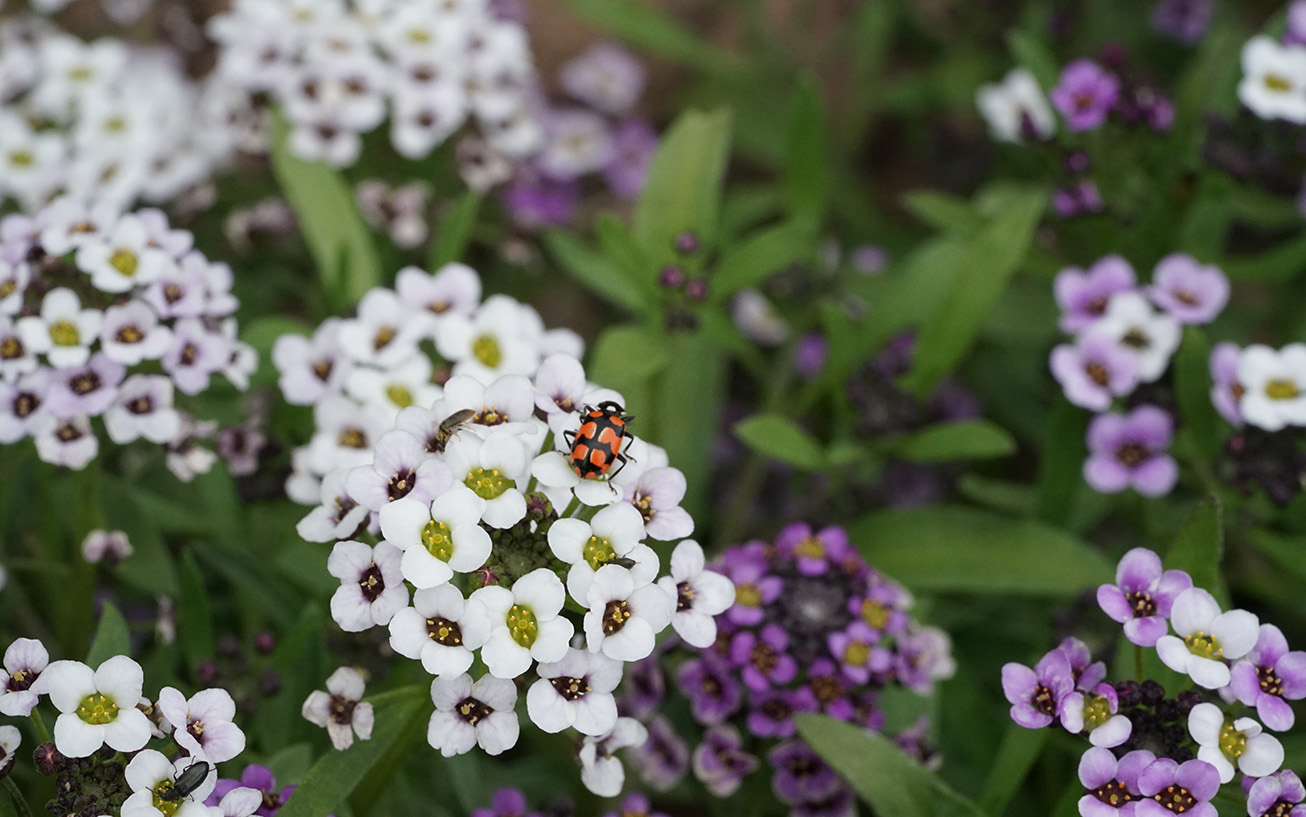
1094 370
338 517
1085 94
575 692
469 714
131 333
10 740
1097 713
1226 391
600 771
720 762
1205 638
634 144
1129 451
16 358
712 687
1184 20
400 467
372 587
623 619
23 408
24 661
1194 783
143 408
107 546
700 595
1277 795
1223 741
1083 295
1143 595
1036 694
1189 291
606 76
340 708
1111 785
88 388
98 706
1152 337
311 368
68 442
203 725
195 355
454 289
1269 677
441 630
663 759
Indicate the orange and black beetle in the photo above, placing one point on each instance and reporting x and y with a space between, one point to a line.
598 441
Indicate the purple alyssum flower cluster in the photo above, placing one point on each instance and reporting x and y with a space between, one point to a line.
1121 342
460 526
814 628
1147 749
109 315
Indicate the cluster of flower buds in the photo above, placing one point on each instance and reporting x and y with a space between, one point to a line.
101 749
511 545
101 121
602 136
338 68
814 628
1122 342
1147 748
108 315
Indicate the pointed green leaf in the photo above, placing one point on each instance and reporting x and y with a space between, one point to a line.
944 211
778 437
336 774
991 258
111 637
1020 748
1199 546
596 273
337 236
807 163
758 256
455 230
195 613
959 440
689 394
649 28
957 549
1032 53
1061 469
683 192
881 774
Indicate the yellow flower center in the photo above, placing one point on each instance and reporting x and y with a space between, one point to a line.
124 261
598 552
522 625
488 484
64 333
437 540
486 349
97 709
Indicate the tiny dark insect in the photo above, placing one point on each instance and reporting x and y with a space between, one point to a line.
188 781
449 426
623 561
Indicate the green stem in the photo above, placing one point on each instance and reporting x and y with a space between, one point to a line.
39 723
20 802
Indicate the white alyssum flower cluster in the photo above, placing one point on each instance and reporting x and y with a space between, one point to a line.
104 706
339 68
103 121
1261 386
93 304
487 543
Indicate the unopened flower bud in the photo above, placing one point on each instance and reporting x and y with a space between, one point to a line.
671 277
696 290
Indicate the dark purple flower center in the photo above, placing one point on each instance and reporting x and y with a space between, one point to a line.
710 685
344 505
322 370
1281 808
1114 794
129 334
352 438
776 709
615 616
23 679
25 403
401 482
189 354
473 711
570 689
827 688
1175 798
684 597
196 729
67 432
1271 683
1043 700
1131 455
443 631
1084 101
1097 306
342 709
84 383
141 405
764 657
371 583
1142 603
11 348
1136 338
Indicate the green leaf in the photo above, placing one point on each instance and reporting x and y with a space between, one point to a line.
336 774
455 231
881 774
1283 263
960 440
688 398
778 437
1032 53
683 191
1062 466
990 260
807 164
1020 748
596 273
195 613
626 357
1192 377
337 236
763 253
111 637
652 29
957 549
944 211
1198 548
619 247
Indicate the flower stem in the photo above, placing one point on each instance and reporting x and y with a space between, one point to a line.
1138 662
20 802
39 723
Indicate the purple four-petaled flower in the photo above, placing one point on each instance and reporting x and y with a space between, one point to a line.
1269 677
1085 94
1128 450
1142 596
